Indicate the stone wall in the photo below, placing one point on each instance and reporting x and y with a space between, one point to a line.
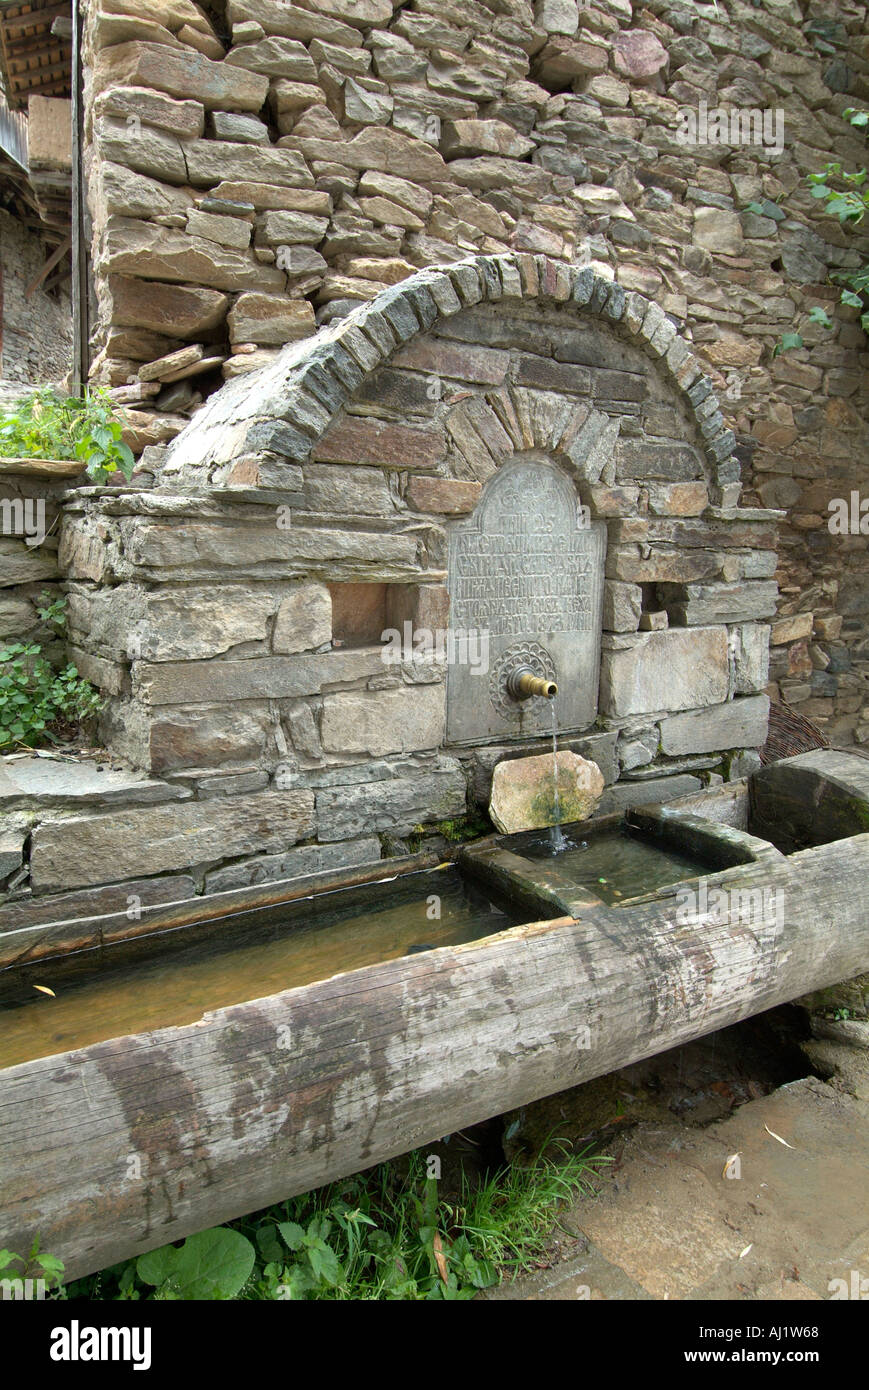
260 169
233 611
29 530
37 332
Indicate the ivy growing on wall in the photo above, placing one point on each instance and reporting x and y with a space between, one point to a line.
845 195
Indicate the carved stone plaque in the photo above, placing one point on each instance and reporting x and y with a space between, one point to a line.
526 582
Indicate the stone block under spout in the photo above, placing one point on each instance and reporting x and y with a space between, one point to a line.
531 793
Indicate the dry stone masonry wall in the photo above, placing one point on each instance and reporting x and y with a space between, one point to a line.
515 240
234 611
35 332
259 167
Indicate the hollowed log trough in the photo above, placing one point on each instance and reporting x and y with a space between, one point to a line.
225 1117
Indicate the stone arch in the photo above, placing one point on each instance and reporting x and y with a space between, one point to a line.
304 483
282 411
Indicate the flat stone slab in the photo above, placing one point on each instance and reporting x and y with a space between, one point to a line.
60 780
670 1226
130 842
525 795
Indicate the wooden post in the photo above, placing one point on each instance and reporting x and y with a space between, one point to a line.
80 249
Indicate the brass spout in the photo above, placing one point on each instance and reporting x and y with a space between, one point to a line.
523 683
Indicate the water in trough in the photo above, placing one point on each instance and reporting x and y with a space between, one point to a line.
173 977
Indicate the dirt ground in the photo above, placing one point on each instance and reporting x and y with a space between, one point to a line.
735 1175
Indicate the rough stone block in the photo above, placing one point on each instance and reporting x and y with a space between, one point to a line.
524 792
678 669
24 564
655 790
49 133
394 805
598 748
270 319
357 439
185 119
202 549
163 253
792 629
622 606
259 678
449 496
178 311
209 736
749 645
180 74
296 863
662 565
376 722
304 619
740 723
699 604
141 840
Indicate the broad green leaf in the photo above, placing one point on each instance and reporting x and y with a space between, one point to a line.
787 343
157 1265
214 1264
292 1234
269 1246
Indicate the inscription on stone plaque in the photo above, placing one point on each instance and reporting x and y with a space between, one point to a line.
527 569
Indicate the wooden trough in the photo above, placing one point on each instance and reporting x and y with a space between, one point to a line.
131 1142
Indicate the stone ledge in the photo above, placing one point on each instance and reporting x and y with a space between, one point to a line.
54 782
132 841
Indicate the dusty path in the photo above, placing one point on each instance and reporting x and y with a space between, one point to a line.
666 1223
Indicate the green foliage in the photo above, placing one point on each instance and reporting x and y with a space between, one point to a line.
51 426
383 1235
768 209
214 1264
48 1268
457 831
34 696
509 1218
787 342
469 827
845 196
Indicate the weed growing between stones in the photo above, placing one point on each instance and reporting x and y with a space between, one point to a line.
39 704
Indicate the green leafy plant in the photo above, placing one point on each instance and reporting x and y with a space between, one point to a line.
845 196
35 699
383 1235
49 425
19 1269
214 1264
508 1218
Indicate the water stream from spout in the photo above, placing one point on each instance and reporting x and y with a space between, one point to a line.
557 838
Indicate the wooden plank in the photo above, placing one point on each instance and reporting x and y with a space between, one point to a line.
14 24
46 270
31 76
274 1097
42 43
57 280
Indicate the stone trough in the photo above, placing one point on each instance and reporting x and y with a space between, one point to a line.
123 1143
